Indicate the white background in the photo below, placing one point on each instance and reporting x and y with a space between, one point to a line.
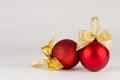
25 25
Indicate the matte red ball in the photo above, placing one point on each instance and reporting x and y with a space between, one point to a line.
65 52
94 56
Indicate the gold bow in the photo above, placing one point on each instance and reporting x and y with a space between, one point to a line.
51 63
85 37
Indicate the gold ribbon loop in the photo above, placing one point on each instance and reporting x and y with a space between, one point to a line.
93 20
51 63
85 37
47 49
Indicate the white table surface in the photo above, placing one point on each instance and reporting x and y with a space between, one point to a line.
18 68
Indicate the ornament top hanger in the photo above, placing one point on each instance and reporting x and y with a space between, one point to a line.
51 63
85 37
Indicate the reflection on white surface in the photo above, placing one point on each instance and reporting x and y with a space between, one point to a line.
18 67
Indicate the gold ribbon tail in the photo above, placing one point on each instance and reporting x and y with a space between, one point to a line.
39 63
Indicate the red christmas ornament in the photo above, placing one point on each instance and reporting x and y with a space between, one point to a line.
65 52
93 47
94 56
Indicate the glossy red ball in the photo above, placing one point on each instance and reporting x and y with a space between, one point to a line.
94 56
65 52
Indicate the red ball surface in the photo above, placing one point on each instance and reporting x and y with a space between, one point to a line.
94 56
65 52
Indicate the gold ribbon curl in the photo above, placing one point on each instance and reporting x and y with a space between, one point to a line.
85 37
51 63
